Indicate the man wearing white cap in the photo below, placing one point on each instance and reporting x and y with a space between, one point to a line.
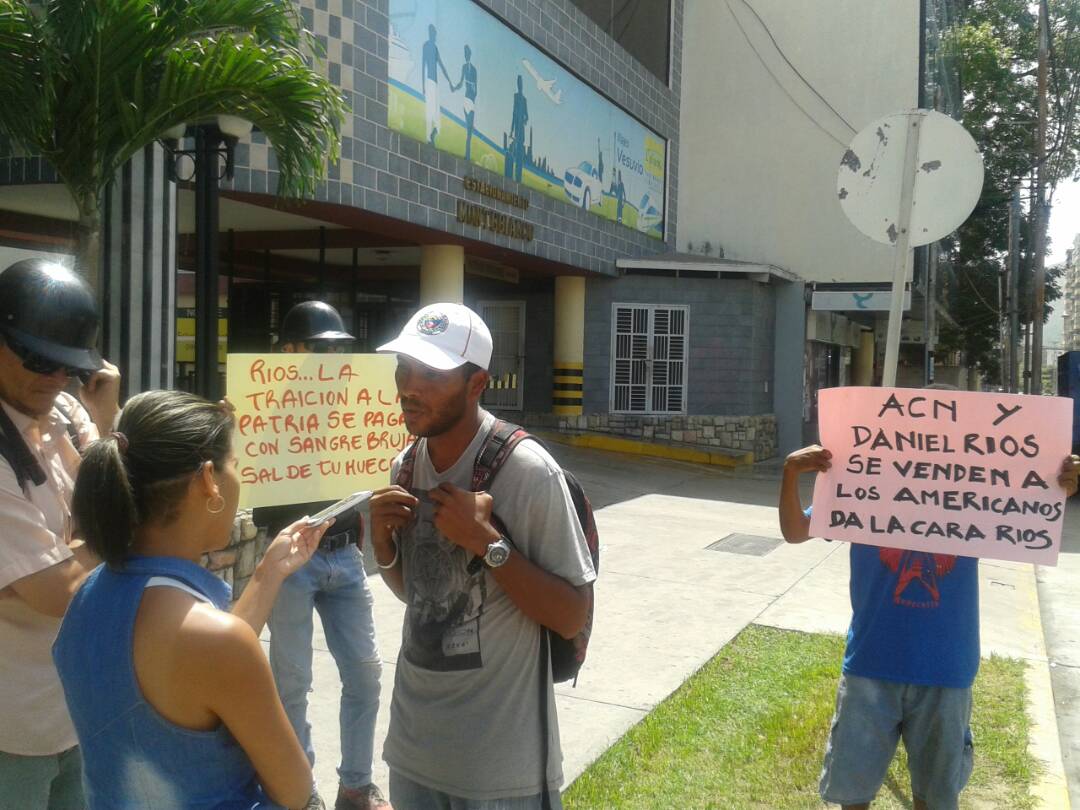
465 725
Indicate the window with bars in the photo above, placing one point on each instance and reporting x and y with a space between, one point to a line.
649 358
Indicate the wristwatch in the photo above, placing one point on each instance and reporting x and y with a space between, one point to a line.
497 553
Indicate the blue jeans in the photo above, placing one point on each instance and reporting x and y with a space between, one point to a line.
406 794
41 783
333 583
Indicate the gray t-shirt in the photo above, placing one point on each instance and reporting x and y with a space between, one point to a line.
465 715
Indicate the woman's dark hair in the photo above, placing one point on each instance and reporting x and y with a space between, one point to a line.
140 473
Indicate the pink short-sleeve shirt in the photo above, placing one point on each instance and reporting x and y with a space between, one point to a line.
35 529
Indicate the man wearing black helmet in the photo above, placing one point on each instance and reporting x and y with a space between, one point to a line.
48 331
334 583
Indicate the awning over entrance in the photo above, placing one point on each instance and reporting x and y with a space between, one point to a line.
693 265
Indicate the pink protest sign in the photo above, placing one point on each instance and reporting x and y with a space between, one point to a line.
949 472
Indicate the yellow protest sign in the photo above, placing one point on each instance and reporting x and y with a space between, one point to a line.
313 427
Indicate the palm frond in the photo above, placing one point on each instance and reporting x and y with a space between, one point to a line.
93 81
22 84
296 108
267 20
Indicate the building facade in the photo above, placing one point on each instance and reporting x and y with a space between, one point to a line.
1070 294
773 95
639 198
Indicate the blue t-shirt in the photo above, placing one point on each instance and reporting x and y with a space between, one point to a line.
915 617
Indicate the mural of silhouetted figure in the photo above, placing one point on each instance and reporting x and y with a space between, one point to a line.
517 129
469 79
432 62
620 197
599 161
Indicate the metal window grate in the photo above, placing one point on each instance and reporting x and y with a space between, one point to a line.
750 544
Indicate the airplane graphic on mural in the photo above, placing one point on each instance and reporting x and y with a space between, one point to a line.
545 86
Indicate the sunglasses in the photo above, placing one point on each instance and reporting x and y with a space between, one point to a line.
39 364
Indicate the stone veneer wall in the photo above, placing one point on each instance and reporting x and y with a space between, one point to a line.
236 562
755 434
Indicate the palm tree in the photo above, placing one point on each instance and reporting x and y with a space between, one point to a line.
88 83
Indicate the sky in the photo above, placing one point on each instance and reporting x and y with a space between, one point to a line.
1064 226
1064 220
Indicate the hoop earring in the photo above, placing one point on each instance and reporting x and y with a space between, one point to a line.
221 504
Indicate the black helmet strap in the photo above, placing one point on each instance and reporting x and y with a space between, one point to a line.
14 450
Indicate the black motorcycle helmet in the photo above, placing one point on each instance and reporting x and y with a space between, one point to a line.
313 322
50 311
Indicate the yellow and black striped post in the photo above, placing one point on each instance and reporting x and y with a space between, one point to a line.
568 365
566 392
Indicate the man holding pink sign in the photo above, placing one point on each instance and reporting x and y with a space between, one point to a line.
922 482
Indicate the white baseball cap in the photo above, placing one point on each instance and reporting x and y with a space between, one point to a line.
443 337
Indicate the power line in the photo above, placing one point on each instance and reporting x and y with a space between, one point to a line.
783 56
779 83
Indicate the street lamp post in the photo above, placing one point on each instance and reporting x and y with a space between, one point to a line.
213 141
208 142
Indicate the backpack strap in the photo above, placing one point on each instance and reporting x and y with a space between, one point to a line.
404 477
501 441
14 450
545 738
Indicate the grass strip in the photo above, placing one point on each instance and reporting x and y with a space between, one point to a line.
748 730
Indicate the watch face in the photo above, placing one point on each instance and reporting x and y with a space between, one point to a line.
496 554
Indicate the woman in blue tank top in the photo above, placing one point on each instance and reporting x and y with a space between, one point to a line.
171 694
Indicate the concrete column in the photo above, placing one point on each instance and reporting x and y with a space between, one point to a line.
569 365
789 352
864 360
138 273
442 274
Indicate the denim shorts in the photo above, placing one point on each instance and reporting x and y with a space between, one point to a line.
871 717
406 794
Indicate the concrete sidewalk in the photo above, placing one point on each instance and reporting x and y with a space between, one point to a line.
667 604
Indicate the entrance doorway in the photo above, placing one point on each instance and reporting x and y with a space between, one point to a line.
506 320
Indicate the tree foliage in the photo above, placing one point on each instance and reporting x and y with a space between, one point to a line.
88 83
992 49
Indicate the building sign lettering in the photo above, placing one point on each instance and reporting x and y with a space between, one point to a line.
489 219
495 193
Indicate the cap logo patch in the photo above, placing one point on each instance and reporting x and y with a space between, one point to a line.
432 323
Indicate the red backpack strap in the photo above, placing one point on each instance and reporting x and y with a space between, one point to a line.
501 441
404 475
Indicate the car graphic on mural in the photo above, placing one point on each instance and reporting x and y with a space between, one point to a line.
648 214
583 185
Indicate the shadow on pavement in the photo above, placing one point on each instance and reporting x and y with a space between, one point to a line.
610 478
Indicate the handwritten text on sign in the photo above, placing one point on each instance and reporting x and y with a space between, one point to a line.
314 426
951 472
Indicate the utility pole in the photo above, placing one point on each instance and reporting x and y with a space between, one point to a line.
1027 358
1003 325
1039 299
1013 296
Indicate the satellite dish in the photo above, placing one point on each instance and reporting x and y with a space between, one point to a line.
947 184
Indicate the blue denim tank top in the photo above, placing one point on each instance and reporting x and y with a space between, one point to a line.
132 756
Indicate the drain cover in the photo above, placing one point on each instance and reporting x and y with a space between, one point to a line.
750 544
